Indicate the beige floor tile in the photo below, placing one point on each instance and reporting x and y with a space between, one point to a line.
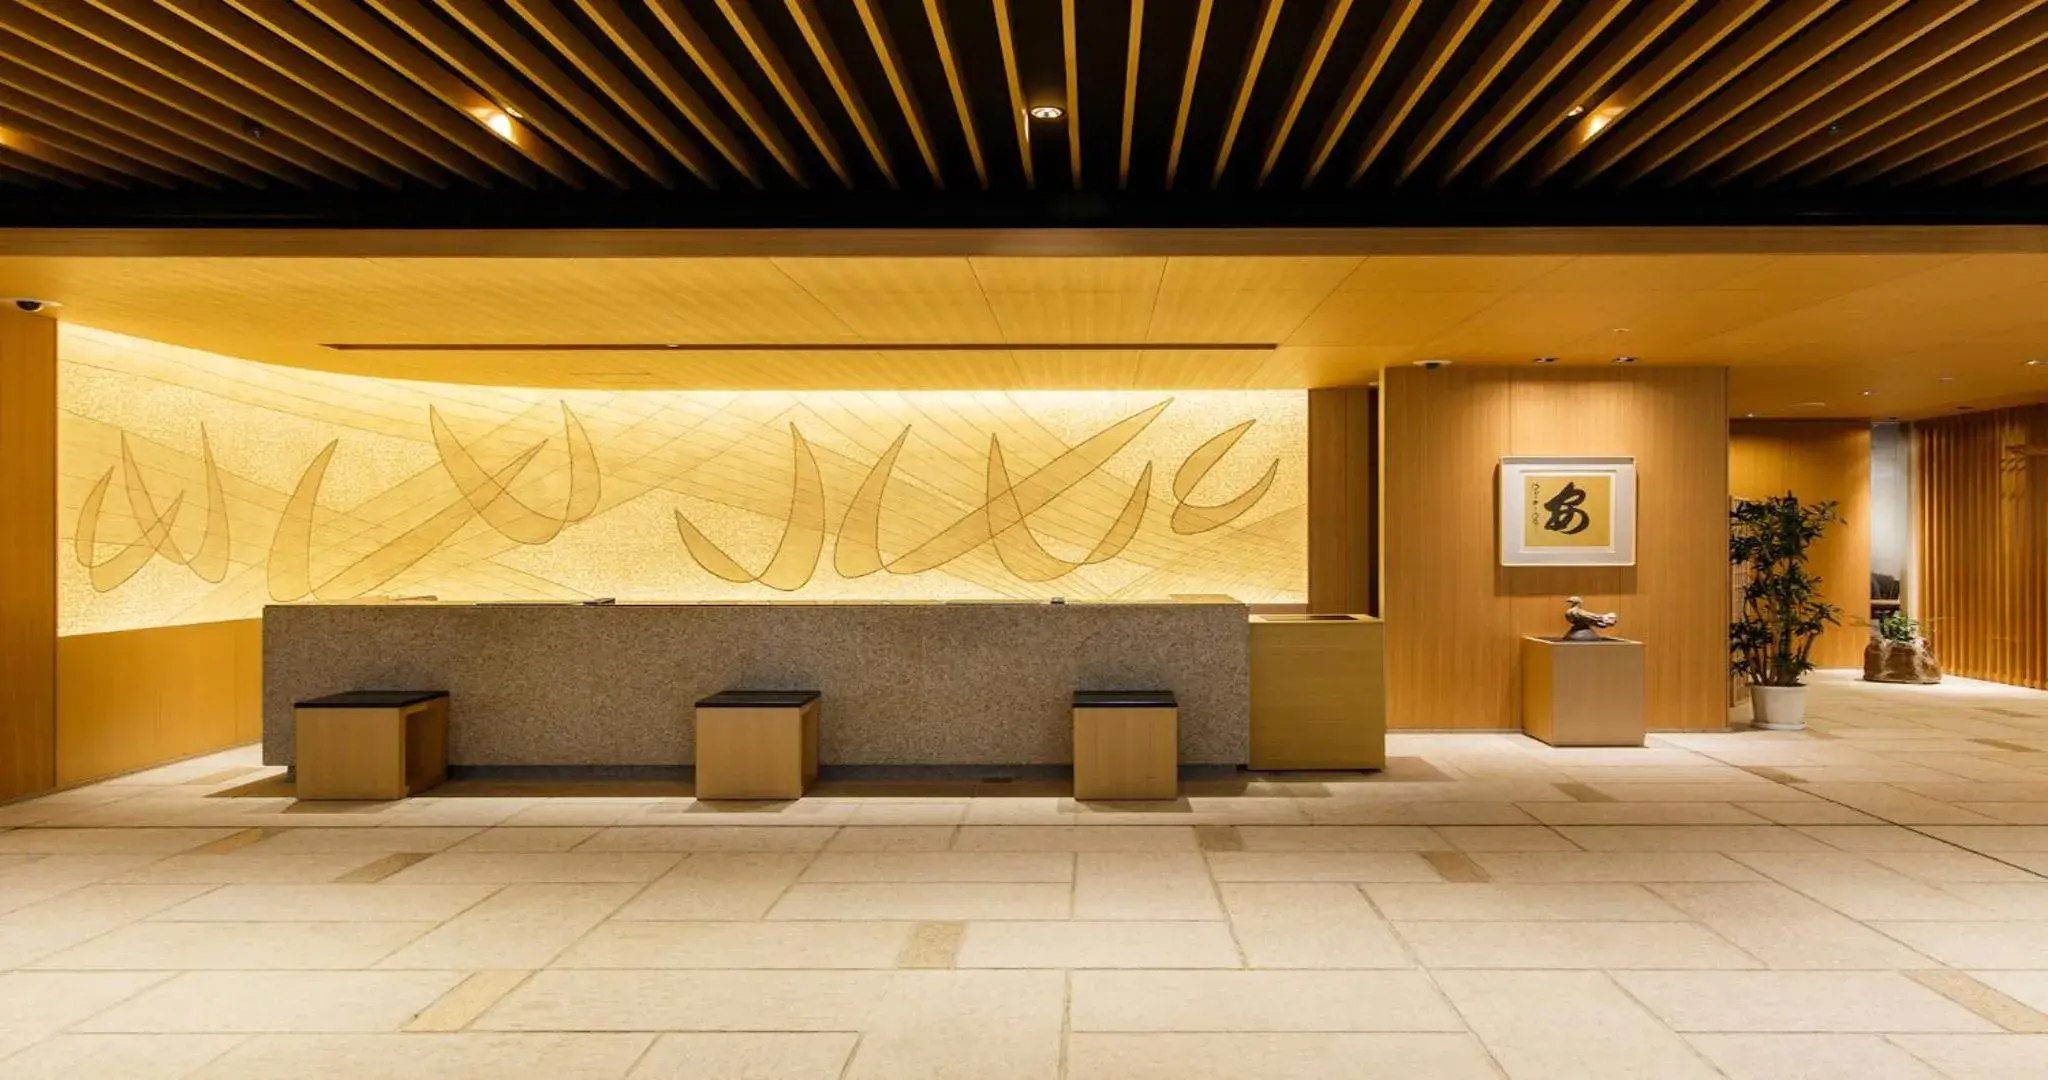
920 812
1502 903
588 1000
570 812
128 841
1689 838
1814 812
128 1057
1811 1057
43 877
1569 945
1797 1001
998 1025
2030 988
35 931
1785 929
327 903
1641 813
1568 1025
1981 1057
1870 838
1143 885
475 994
2022 902
1435 814
1276 1056
212 946
2012 813
376 841
1732 792
1341 838
1953 867
892 838
925 901
34 1004
986 866
1591 867
709 838
1081 944
739 945
1991 946
747 1056
1987 838
1310 925
510 838
520 926
1505 838
718 886
1074 838
1895 804
281 1001
1320 866
564 867
432 1057
1258 1001
242 868
1860 888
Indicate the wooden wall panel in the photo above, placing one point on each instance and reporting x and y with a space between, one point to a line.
1343 496
135 698
1981 540
28 551
1817 460
1455 617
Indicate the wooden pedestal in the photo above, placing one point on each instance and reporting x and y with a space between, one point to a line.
757 744
1126 745
371 744
1583 693
1319 692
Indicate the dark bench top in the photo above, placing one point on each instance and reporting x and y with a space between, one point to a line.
759 699
373 699
1124 699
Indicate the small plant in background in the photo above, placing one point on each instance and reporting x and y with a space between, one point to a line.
1782 613
1898 626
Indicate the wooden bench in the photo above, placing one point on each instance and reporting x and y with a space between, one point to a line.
1126 744
371 744
757 744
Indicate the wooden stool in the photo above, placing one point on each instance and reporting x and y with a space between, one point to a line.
371 744
1126 744
757 744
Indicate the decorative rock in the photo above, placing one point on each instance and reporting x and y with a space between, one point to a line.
1899 662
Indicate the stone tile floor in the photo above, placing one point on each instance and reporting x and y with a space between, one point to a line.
1866 900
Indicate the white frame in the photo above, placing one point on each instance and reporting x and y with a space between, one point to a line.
1513 549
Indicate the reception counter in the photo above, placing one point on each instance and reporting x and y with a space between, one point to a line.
903 684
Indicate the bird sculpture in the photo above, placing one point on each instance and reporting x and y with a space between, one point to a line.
1586 625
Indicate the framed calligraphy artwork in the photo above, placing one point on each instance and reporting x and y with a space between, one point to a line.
1567 511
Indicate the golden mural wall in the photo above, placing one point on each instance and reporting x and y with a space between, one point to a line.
196 487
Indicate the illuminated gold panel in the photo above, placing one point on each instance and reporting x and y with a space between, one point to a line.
197 487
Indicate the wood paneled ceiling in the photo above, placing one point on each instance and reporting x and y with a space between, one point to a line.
697 103
1859 331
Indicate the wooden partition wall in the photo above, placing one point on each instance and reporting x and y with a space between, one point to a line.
1343 492
1455 617
28 551
134 698
1981 531
1817 460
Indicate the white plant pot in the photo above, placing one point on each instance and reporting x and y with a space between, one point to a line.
1778 708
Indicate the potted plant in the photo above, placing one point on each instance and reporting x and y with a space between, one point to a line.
1782 613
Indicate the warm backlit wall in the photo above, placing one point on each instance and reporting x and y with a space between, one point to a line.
1455 617
197 488
1981 532
1819 461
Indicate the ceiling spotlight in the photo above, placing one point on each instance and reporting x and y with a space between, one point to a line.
1432 365
1870 393
1624 359
1945 378
1047 112
499 121
1749 416
2037 363
252 129
1546 360
1575 112
1809 404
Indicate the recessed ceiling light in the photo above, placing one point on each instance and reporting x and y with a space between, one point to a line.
1870 393
499 121
1945 378
2037 363
1749 416
1432 365
1810 405
1047 112
1575 112
1621 329
1546 360
1624 359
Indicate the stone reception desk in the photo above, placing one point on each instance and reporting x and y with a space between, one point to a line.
903 683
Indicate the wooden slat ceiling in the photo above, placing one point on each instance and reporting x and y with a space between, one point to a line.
588 99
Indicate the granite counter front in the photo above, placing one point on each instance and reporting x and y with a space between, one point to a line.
903 684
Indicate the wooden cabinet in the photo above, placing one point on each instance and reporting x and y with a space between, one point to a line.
1583 693
1319 698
